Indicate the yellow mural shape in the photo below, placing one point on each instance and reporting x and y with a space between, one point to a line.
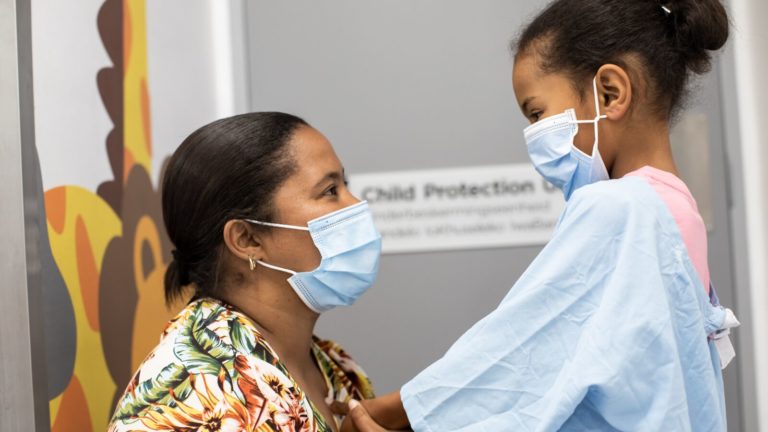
84 209
138 144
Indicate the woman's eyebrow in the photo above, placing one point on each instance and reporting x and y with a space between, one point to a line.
333 176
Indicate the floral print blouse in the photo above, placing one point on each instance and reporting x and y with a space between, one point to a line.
213 371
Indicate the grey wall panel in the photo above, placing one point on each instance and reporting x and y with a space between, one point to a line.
707 101
23 395
397 86
739 236
426 84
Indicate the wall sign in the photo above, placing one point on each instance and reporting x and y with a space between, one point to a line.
460 208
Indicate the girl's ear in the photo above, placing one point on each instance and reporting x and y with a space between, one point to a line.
615 92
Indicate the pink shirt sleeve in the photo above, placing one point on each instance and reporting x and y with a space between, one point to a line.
683 207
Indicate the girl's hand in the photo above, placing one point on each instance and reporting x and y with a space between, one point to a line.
385 413
358 420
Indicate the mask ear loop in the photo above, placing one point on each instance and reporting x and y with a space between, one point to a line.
598 117
276 225
274 267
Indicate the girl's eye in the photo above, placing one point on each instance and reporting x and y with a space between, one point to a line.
332 191
535 116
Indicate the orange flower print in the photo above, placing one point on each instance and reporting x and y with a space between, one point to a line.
210 408
284 406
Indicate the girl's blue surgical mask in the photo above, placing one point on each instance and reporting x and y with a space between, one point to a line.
551 149
350 247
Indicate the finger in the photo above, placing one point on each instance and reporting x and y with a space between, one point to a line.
362 419
339 408
348 425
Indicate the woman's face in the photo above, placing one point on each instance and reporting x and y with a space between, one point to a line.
316 188
541 95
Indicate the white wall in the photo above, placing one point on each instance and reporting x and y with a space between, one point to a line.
196 73
196 67
751 69
66 93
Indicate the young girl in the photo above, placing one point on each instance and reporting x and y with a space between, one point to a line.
614 325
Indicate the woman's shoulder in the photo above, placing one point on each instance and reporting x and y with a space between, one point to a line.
212 365
348 380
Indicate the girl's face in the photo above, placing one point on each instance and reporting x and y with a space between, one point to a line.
316 188
541 95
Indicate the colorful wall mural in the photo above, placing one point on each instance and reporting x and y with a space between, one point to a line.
104 302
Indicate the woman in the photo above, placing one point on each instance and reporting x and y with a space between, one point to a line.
267 237
614 326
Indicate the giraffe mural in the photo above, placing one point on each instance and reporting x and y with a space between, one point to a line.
108 244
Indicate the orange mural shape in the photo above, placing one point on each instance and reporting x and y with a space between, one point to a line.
55 205
73 411
146 119
87 273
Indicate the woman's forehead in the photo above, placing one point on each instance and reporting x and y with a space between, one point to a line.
313 153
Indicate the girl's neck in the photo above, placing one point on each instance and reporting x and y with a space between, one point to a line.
646 146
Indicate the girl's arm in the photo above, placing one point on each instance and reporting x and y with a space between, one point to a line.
385 413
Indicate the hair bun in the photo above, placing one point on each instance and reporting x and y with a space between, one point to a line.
700 26
176 278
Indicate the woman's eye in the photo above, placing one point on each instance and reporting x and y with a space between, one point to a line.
535 116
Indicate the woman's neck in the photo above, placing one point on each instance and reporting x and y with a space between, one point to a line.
648 145
284 321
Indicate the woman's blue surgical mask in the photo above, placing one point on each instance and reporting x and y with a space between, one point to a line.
551 149
350 247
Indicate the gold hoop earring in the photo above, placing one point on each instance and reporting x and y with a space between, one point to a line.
252 262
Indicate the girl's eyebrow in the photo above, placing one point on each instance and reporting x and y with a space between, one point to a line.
524 105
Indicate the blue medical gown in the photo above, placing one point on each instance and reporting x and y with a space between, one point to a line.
606 330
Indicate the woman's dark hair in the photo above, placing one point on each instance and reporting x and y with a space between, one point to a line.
673 40
228 169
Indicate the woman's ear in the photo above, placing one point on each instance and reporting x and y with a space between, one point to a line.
615 92
242 240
